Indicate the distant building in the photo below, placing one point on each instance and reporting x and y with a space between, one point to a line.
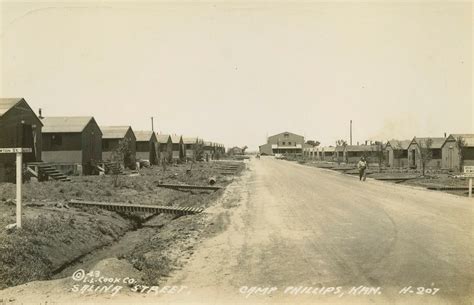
221 148
236 151
283 143
328 153
450 151
69 142
191 146
310 151
111 138
147 146
165 146
208 149
353 153
397 153
414 160
19 127
340 153
179 150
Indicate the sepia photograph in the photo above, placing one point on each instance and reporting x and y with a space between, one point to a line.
195 152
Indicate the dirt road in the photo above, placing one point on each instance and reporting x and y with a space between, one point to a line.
342 239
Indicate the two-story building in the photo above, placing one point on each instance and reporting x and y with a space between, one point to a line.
283 143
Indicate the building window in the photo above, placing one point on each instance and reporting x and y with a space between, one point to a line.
56 140
286 135
436 153
289 143
283 143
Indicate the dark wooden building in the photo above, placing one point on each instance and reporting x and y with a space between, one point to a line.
165 146
191 146
451 154
147 146
397 153
414 155
69 142
111 138
179 150
19 127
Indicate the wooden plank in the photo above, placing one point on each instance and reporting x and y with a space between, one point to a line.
135 207
448 188
185 186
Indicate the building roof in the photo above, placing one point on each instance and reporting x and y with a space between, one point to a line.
436 142
188 140
399 144
175 139
114 132
162 138
143 135
361 148
8 103
65 124
283 133
468 138
329 149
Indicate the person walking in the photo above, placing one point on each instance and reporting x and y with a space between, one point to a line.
362 166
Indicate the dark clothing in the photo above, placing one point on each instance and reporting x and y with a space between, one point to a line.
362 165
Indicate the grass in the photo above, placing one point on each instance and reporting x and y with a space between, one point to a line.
21 254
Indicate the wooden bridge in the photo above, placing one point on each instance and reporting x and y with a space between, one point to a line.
152 209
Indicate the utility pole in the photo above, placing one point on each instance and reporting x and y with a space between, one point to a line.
152 127
351 134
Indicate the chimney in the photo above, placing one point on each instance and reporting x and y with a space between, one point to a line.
40 112
445 134
357 143
365 142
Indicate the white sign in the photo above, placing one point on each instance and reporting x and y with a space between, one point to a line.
469 171
15 150
19 176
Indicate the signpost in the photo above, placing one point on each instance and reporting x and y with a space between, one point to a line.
19 175
469 172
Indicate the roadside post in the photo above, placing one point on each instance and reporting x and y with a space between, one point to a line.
19 179
469 172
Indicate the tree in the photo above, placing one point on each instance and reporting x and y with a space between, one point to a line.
313 143
121 155
380 152
425 153
460 144
342 143
243 149
199 151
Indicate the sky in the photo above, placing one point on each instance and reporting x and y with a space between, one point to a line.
237 72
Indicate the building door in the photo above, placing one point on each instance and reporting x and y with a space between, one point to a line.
450 158
153 153
26 141
91 162
413 158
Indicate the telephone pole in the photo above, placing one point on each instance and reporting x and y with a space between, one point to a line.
351 134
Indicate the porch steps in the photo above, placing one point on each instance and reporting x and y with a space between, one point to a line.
48 170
